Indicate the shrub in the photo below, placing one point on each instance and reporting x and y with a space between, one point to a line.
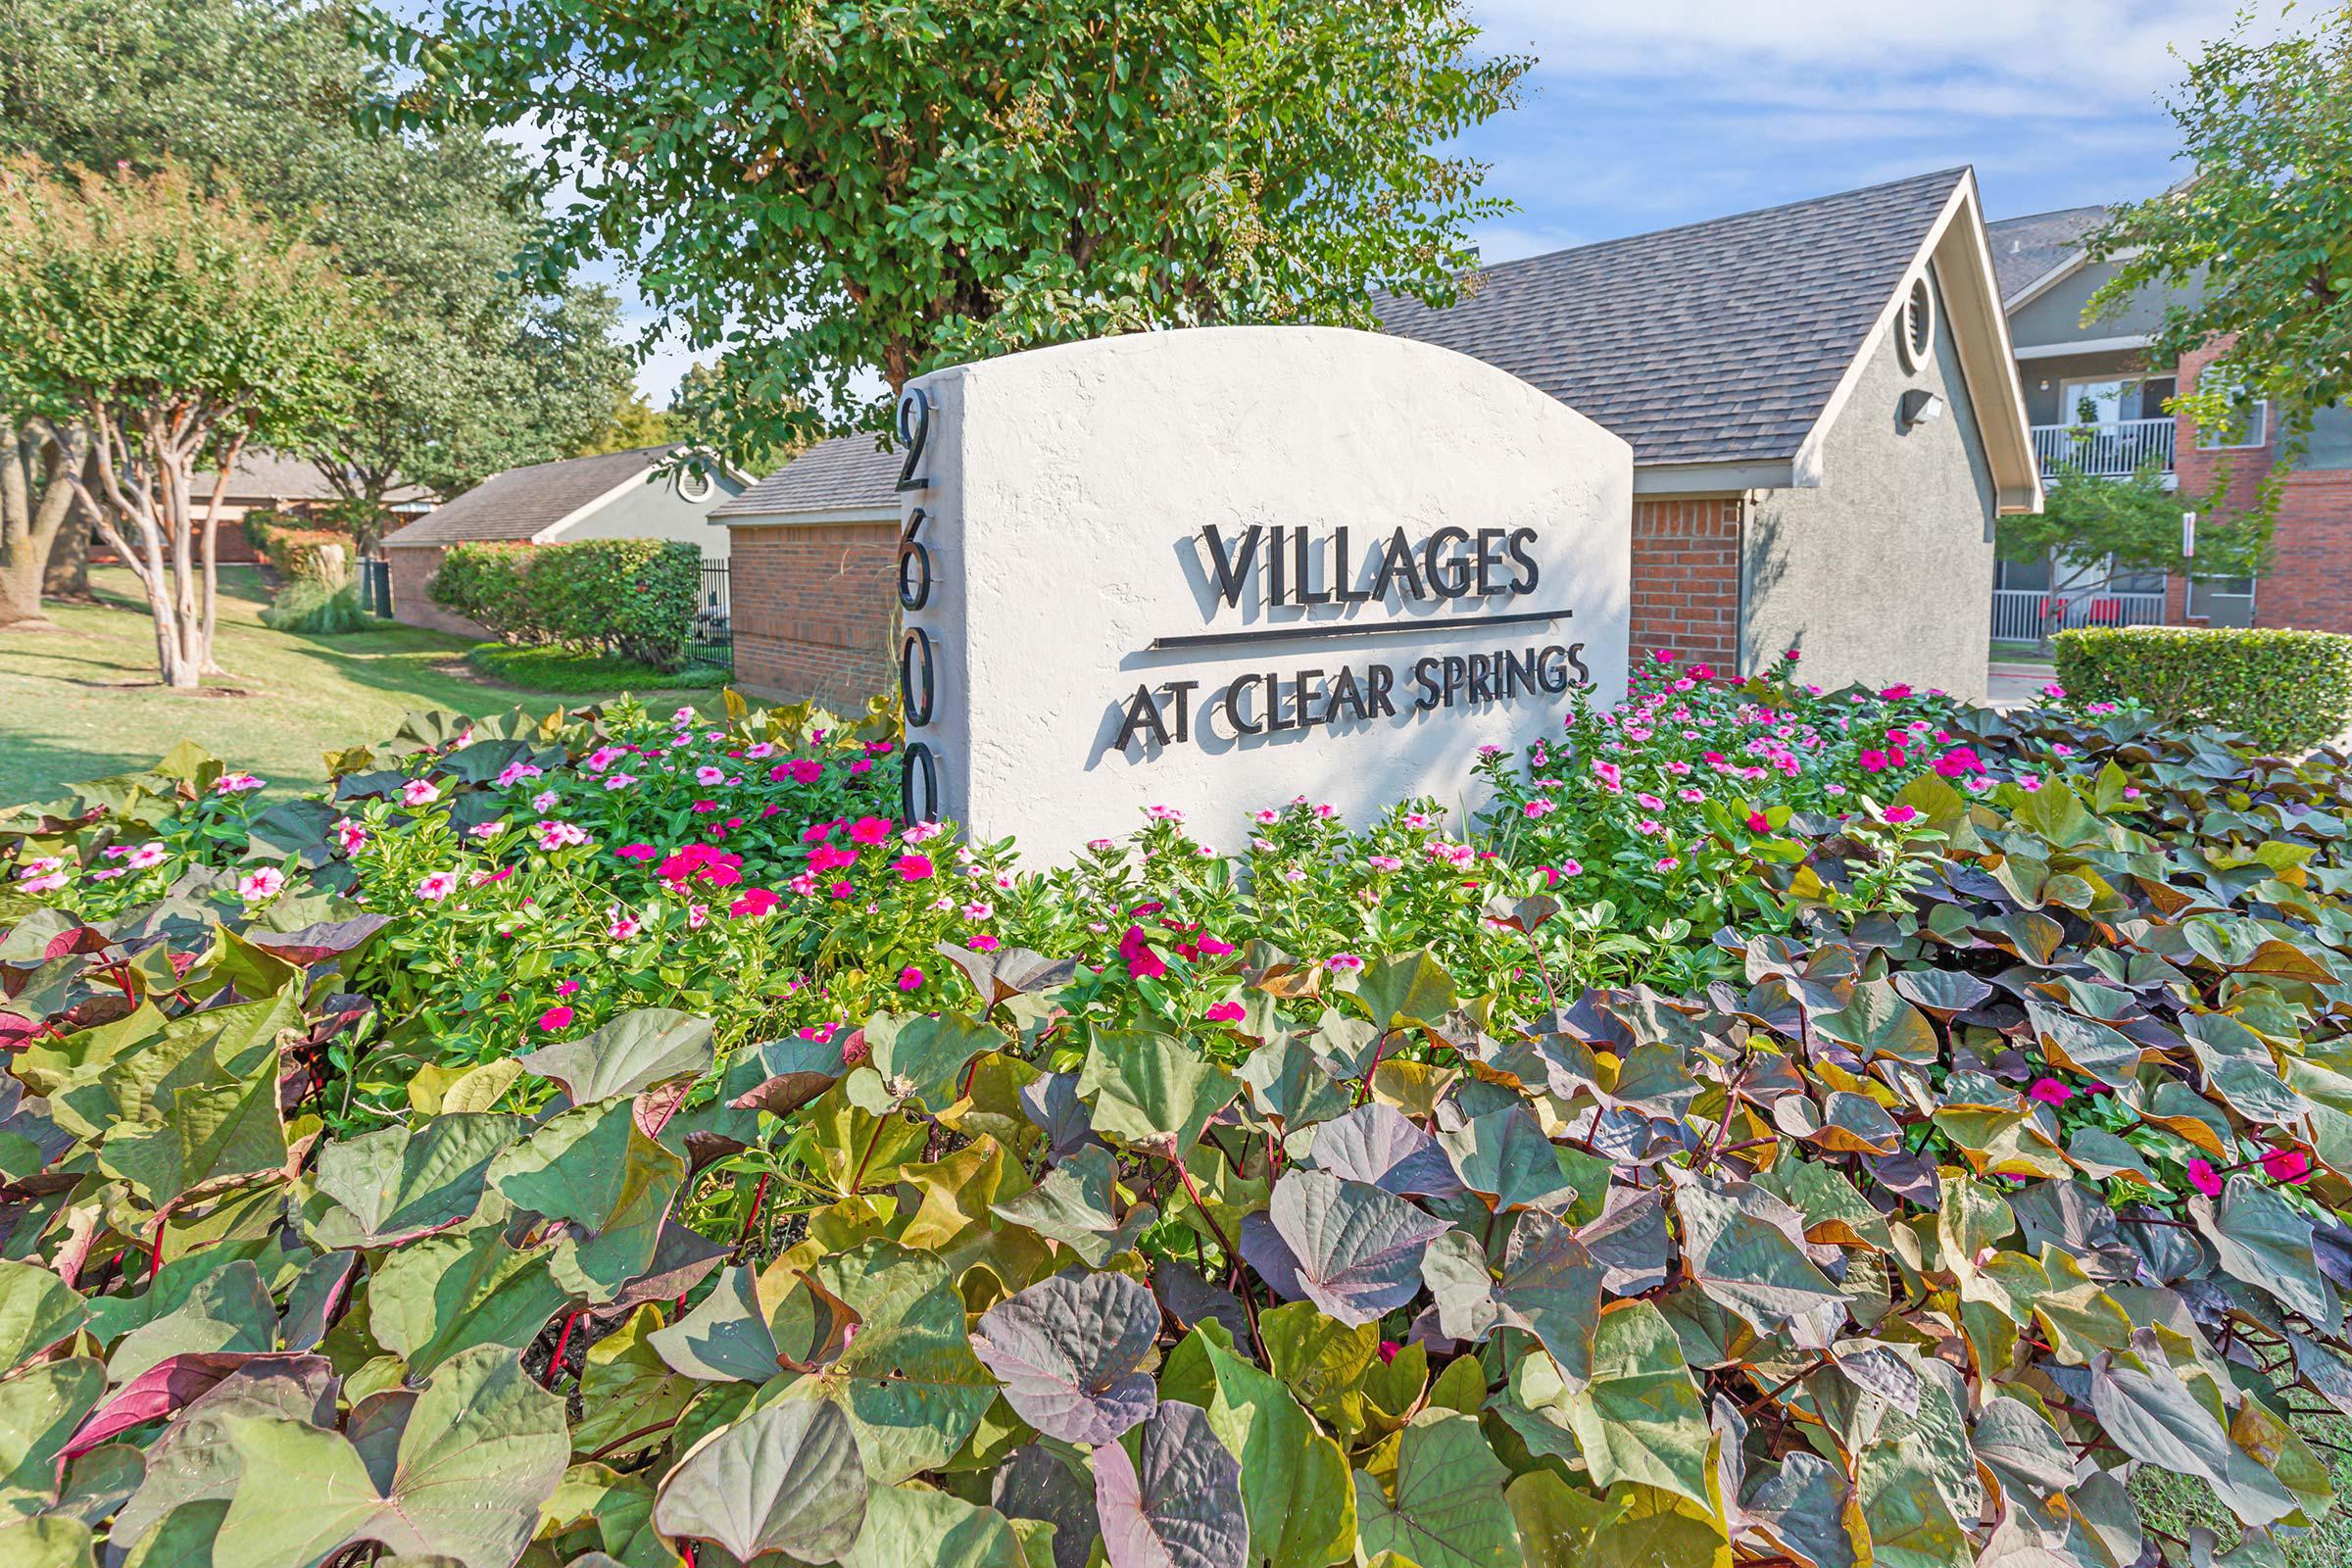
559 670
2016 1166
486 585
636 598
316 608
2285 690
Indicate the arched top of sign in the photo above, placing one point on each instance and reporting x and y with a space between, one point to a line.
1257 588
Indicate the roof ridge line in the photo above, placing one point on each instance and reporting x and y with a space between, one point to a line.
1727 217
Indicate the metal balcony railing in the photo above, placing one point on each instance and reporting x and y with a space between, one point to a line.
2113 450
2029 615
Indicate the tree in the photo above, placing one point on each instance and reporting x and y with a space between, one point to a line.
842 196
2114 526
173 326
634 422
2256 244
474 366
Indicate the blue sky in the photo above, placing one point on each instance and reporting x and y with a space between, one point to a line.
1653 113
1644 114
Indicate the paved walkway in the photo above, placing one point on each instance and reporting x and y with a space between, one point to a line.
2016 684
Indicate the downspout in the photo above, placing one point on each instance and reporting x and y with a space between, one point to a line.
1741 664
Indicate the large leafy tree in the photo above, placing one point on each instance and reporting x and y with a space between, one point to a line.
2133 525
2257 242
473 366
171 327
843 196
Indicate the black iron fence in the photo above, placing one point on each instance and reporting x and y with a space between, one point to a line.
375 586
714 639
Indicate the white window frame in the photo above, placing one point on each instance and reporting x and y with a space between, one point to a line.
2258 427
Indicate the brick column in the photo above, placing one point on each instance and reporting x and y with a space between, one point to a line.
1686 589
813 608
2310 580
411 568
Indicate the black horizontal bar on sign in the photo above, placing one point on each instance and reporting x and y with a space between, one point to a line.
1386 628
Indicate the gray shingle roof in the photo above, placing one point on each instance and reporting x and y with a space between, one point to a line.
846 473
1716 342
2026 248
261 477
517 504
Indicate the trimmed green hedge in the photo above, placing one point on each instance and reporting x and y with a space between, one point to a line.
634 598
568 672
2287 689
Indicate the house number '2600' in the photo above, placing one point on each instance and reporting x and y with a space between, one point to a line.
917 679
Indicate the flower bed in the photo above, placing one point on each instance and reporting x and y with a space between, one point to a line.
1787 1127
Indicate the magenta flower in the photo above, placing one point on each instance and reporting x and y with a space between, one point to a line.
569 988
1757 822
912 867
2204 1178
1142 962
869 830
1899 814
1227 1013
555 1018
2050 1090
636 852
910 978
751 904
2290 1165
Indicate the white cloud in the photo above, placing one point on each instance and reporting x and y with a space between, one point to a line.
2105 52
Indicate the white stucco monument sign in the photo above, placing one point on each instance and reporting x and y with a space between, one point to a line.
1222 567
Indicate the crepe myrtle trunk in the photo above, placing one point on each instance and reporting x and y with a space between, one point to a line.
37 509
68 580
144 493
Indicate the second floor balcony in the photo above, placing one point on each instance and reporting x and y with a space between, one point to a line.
2112 449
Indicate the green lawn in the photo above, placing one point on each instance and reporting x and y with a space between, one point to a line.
84 701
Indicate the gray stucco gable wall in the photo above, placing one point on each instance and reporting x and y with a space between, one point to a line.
1883 573
2055 316
654 509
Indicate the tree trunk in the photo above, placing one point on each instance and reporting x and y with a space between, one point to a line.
68 579
210 622
38 464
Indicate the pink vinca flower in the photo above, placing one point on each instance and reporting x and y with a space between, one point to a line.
438 886
419 791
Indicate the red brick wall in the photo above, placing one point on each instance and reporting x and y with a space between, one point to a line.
413 566
813 609
1686 578
2310 581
